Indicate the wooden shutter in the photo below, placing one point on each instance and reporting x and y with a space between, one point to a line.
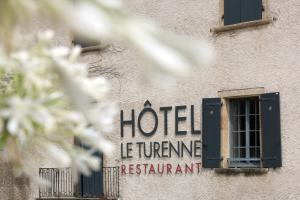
211 124
84 43
270 125
232 12
251 10
90 186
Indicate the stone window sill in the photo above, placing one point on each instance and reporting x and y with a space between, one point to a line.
246 171
93 48
242 25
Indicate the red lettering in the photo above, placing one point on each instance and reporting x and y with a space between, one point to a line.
189 168
123 169
163 167
145 168
131 169
178 169
169 167
138 169
151 170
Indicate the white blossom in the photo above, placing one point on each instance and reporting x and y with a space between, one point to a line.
47 98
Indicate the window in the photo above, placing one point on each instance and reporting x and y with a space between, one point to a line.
84 43
241 130
237 11
236 14
244 132
87 45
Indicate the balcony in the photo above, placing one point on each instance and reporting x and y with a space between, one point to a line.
101 185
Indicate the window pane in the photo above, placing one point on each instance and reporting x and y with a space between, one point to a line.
234 108
252 122
242 123
258 152
242 139
257 123
242 107
235 123
252 106
235 139
257 106
235 152
242 152
252 136
254 153
257 139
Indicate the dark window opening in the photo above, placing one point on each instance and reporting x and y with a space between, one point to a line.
244 132
84 43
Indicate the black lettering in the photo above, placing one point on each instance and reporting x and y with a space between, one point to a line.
179 119
189 150
150 110
122 153
193 131
171 147
127 122
129 150
150 150
156 149
139 145
166 110
197 148
163 149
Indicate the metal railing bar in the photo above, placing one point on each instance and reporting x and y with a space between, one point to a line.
62 185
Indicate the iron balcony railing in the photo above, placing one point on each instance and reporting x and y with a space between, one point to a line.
111 182
61 184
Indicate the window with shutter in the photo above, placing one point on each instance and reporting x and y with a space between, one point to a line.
236 11
87 45
236 14
253 132
90 186
84 43
211 120
271 136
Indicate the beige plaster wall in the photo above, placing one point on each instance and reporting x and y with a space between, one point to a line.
265 56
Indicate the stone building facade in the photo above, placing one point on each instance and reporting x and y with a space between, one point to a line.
252 58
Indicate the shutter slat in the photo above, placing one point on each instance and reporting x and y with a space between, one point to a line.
270 124
232 12
251 10
211 124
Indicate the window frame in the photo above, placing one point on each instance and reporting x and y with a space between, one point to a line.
92 48
215 130
225 96
266 19
247 131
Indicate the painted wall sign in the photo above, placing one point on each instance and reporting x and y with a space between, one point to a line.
163 149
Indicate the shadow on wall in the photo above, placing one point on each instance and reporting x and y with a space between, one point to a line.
11 187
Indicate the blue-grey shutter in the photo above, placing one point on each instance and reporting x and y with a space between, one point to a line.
251 10
232 12
84 43
90 186
270 125
211 124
